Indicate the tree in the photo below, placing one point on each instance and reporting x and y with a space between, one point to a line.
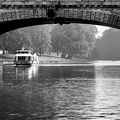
73 39
39 38
2 42
11 41
94 55
36 38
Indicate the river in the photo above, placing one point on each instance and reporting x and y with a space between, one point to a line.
60 92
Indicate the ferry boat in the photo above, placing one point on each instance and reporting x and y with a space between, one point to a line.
25 57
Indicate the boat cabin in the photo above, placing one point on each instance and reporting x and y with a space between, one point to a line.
25 57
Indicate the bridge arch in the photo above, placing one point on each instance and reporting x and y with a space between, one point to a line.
86 13
10 20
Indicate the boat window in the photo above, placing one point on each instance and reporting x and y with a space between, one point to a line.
18 52
21 58
28 57
23 52
15 58
26 52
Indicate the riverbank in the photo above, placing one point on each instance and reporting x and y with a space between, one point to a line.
9 59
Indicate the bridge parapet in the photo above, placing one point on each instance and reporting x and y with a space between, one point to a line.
79 3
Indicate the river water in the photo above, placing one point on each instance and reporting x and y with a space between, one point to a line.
75 92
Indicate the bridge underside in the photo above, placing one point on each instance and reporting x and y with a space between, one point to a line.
12 25
18 18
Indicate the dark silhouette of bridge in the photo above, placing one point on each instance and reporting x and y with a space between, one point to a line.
15 14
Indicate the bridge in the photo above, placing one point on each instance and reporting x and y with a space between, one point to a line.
22 13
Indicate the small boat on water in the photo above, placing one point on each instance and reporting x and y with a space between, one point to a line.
25 57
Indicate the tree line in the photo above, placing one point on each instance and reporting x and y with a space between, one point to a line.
66 40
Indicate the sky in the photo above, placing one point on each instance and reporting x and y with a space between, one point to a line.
101 30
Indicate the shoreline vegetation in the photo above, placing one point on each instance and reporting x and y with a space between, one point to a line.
45 59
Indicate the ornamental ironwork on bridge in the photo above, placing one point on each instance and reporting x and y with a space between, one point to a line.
34 12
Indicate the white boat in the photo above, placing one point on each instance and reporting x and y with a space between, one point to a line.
25 57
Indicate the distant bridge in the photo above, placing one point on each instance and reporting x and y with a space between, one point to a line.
22 13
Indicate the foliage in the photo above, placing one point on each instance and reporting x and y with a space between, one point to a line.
36 38
73 39
39 38
94 55
11 41
67 39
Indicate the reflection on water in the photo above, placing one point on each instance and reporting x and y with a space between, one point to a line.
59 92
108 92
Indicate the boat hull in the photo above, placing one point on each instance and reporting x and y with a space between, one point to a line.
23 63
